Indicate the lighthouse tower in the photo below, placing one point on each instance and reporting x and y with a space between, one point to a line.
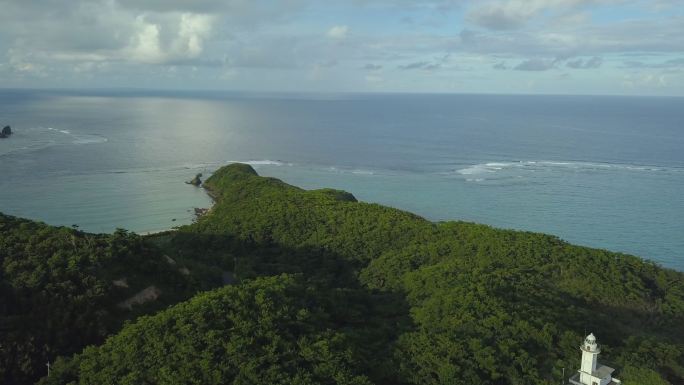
590 351
591 372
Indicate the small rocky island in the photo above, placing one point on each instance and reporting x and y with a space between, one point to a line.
196 181
6 132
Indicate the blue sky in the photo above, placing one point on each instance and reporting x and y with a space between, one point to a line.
625 47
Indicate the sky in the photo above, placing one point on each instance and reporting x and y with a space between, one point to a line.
623 47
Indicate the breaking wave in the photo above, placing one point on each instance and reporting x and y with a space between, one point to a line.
79 138
38 138
481 171
263 162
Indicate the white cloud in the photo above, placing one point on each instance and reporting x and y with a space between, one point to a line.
141 31
277 42
647 80
145 45
158 40
338 32
193 29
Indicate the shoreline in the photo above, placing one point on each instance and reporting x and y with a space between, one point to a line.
199 213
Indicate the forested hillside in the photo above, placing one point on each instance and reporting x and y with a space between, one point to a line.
268 331
62 289
487 305
376 295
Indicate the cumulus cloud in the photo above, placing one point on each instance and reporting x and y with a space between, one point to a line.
286 38
140 31
156 40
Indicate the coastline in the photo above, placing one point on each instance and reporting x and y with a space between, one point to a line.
202 212
199 213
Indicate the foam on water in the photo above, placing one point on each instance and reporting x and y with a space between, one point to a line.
88 139
39 138
500 169
262 162
67 132
480 169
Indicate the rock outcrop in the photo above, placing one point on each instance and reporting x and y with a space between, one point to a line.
6 132
200 212
196 181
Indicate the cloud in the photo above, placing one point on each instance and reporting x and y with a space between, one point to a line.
594 62
500 66
536 65
240 12
24 65
501 16
338 32
274 43
514 14
420 65
161 40
126 31
197 6
649 80
667 64
651 36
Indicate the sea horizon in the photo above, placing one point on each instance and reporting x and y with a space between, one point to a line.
146 91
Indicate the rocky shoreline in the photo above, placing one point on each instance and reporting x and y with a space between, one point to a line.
196 181
199 212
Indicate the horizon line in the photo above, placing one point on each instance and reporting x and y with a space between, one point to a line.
330 93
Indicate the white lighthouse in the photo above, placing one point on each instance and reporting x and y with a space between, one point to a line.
591 372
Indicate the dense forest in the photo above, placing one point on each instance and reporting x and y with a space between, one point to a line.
323 289
62 289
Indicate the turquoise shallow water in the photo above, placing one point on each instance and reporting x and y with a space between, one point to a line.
599 171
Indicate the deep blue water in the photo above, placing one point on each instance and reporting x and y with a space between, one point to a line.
599 171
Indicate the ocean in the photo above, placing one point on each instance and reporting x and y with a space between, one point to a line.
600 171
